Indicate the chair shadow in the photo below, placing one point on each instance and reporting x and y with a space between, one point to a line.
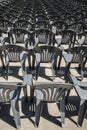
71 108
5 114
13 71
61 72
28 109
43 74
84 71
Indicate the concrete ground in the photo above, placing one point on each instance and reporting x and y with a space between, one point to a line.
50 120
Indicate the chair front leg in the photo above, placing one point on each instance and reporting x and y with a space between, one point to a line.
81 114
15 109
37 65
38 111
22 61
62 110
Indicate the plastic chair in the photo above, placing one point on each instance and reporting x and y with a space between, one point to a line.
14 53
43 36
49 54
52 92
76 55
68 37
57 26
81 90
9 93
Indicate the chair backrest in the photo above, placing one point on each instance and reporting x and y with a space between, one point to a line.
68 37
4 24
24 24
51 92
8 90
76 26
59 26
78 53
43 35
18 35
48 53
14 52
41 24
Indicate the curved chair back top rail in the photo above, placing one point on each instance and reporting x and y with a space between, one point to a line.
51 92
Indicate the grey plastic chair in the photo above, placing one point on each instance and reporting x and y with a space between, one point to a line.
81 89
9 93
68 38
76 55
50 54
14 53
52 92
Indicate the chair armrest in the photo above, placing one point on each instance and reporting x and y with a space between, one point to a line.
68 57
80 41
80 91
38 57
3 40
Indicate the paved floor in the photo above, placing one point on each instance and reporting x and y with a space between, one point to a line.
50 120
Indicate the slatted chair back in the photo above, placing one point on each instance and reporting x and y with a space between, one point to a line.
4 24
51 92
47 53
68 37
8 91
43 35
14 52
19 35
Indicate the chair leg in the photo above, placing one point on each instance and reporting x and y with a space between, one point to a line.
22 61
81 114
31 94
2 62
38 112
67 96
37 70
25 93
15 109
62 110
53 73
